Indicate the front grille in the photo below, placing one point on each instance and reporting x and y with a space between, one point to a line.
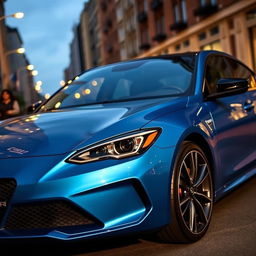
46 215
7 188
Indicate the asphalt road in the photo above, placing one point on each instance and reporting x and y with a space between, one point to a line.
232 232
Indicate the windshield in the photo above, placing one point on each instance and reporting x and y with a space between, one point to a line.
133 80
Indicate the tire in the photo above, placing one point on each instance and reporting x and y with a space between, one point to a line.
191 196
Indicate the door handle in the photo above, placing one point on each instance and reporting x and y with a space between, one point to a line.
248 106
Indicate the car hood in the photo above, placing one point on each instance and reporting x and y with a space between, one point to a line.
64 131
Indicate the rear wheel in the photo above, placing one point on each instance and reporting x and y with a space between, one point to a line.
191 196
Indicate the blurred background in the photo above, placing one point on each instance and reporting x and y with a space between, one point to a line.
45 44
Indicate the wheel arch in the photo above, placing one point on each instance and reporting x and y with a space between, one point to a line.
204 142
200 141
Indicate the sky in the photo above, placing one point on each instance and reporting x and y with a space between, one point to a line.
46 31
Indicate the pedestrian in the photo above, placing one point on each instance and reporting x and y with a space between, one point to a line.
9 106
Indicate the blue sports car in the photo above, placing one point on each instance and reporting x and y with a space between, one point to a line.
146 144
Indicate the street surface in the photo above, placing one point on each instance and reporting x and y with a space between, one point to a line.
232 232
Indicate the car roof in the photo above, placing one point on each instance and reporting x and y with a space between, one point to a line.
205 53
163 56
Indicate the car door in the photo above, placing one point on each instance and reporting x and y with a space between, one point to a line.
239 70
233 142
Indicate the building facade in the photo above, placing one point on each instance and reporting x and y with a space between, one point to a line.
13 72
77 64
85 48
4 65
90 30
114 30
20 81
224 25
110 47
127 28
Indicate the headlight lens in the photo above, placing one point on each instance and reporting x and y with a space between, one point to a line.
120 147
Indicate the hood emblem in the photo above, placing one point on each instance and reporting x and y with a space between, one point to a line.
18 151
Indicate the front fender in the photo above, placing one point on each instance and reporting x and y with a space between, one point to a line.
192 122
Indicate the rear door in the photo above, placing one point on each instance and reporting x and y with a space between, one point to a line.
233 137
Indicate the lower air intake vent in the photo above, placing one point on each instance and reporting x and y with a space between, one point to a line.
46 215
7 187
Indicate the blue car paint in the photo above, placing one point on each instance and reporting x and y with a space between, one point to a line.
92 123
108 189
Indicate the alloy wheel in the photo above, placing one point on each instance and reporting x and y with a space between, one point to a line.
195 192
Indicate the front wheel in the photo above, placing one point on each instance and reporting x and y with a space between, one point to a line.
191 196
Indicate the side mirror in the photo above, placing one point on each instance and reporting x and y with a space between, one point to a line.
228 87
33 107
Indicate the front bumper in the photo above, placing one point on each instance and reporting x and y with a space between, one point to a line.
115 196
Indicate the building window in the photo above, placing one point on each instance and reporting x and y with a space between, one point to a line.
206 8
180 12
160 25
208 2
251 15
216 45
156 5
144 39
119 13
214 31
142 5
176 13
144 36
202 36
233 44
177 47
184 10
186 43
121 34
145 5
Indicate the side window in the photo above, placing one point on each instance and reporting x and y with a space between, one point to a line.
240 71
216 68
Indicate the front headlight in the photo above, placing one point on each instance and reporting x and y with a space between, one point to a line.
119 147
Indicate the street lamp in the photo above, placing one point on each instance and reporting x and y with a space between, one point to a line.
5 70
47 96
16 15
38 86
29 67
62 83
39 83
18 51
34 72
